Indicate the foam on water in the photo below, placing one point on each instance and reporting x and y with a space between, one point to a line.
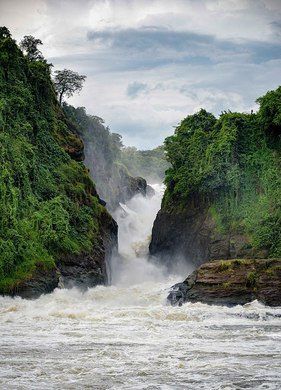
125 336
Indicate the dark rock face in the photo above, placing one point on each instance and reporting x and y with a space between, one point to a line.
116 187
177 294
133 186
120 189
185 234
231 282
43 281
191 235
89 269
83 270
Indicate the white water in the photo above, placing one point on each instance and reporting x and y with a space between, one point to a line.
126 337
135 220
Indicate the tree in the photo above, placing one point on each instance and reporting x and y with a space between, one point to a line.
4 33
67 83
270 113
29 45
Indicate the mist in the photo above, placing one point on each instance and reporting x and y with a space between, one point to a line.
135 220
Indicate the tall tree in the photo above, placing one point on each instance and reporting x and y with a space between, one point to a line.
29 44
67 83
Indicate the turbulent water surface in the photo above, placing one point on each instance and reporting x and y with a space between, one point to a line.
126 337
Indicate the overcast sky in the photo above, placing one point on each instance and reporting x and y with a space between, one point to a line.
151 63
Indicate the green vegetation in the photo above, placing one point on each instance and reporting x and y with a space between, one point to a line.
252 278
224 266
102 154
48 204
231 164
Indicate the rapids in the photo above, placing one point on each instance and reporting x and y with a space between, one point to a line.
124 336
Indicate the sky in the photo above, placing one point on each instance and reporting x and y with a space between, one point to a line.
150 63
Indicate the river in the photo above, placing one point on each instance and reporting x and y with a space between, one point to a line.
124 336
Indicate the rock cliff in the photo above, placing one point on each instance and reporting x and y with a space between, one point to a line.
84 270
192 235
232 282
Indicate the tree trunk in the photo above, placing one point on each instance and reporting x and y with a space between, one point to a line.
60 98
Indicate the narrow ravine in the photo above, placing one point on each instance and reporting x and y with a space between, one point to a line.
124 336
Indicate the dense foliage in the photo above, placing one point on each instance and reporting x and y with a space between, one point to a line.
48 204
233 164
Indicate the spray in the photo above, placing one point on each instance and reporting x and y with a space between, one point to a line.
135 220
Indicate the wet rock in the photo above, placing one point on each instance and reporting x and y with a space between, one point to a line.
119 188
42 281
177 294
232 282
185 233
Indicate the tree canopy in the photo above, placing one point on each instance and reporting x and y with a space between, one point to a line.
67 82
4 32
29 45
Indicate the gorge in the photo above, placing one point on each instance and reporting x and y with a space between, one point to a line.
90 248
126 336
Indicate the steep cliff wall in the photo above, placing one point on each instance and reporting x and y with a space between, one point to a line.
53 227
192 236
223 188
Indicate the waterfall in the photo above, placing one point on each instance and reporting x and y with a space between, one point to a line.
135 220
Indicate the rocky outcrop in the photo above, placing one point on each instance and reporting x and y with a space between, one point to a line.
89 269
42 281
149 191
117 186
192 236
231 282
130 186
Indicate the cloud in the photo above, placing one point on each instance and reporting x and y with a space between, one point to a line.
149 63
147 38
135 88
187 47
